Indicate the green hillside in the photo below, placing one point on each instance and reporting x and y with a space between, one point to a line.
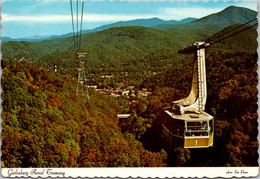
136 40
30 51
245 41
230 15
127 48
135 49
23 50
215 22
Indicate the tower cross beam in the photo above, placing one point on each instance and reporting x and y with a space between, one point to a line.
82 89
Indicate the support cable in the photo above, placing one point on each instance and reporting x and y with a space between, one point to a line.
81 23
82 88
77 9
248 27
72 24
190 49
219 35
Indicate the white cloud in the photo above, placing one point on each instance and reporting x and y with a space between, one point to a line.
198 12
50 18
181 13
36 18
248 4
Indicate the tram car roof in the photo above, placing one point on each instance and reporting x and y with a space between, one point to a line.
189 116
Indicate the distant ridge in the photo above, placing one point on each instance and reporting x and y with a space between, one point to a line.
138 22
144 23
229 16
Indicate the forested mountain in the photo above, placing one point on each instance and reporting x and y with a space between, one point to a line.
121 46
216 22
230 15
245 41
34 50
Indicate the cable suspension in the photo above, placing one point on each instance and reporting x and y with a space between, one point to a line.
248 27
77 22
82 89
77 9
71 9
219 35
81 23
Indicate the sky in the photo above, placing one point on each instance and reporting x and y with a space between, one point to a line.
26 18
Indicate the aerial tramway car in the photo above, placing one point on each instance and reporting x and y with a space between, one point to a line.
185 123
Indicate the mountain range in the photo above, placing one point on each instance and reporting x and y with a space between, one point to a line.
123 42
214 22
138 22
144 23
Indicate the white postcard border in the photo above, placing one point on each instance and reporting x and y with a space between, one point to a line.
169 172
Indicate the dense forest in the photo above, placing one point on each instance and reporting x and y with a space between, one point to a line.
46 125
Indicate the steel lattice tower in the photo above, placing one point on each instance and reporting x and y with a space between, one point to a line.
82 89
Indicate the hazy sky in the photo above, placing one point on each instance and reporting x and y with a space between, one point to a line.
23 18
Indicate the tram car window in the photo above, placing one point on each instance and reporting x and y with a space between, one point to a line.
197 128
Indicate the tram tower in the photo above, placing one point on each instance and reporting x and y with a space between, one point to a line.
82 89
